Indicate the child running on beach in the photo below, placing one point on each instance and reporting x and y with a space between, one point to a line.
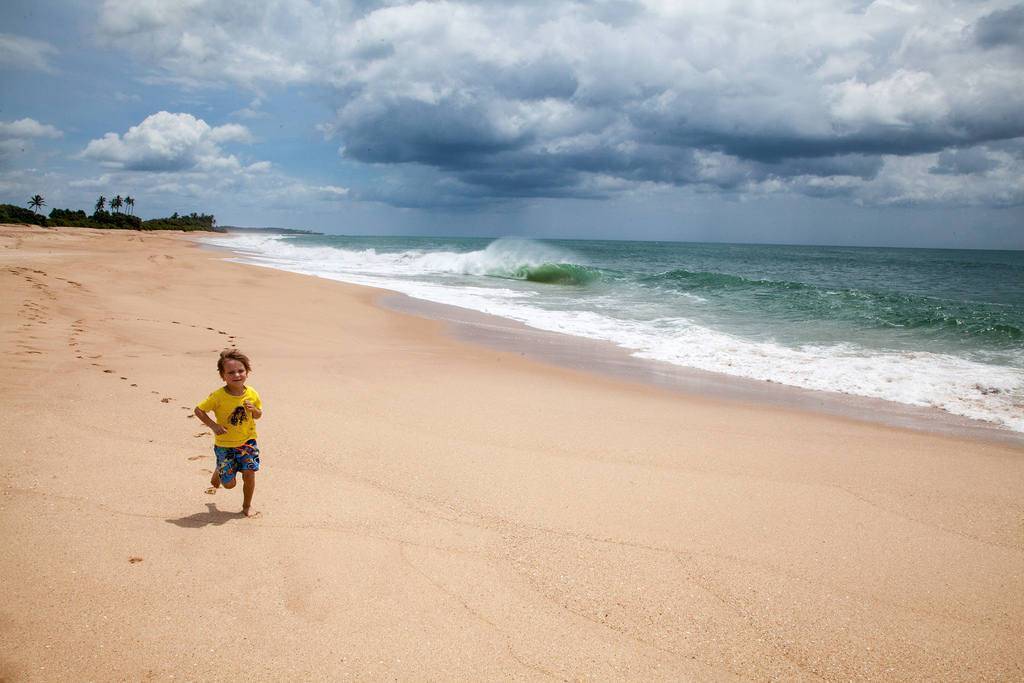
236 407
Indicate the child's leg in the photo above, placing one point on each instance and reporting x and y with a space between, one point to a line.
248 486
218 456
225 469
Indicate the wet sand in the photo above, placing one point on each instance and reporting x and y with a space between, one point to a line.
607 359
436 509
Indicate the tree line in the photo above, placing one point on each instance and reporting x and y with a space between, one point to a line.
121 216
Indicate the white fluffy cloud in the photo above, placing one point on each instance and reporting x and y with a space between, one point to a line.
904 99
179 159
520 99
16 136
28 128
169 142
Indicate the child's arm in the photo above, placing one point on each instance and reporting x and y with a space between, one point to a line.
205 419
253 410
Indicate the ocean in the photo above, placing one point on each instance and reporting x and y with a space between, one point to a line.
924 327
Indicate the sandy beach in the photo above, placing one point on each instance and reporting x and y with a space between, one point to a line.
437 510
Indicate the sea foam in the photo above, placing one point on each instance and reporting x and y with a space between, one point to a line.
473 280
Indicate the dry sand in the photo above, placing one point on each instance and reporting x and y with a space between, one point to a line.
433 510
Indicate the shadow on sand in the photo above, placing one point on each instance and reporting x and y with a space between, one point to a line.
212 517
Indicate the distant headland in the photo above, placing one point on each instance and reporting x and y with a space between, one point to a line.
275 231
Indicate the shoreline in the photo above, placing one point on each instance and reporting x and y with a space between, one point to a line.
434 509
610 360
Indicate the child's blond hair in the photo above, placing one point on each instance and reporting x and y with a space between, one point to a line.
232 354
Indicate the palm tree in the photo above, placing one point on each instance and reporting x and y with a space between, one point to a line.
130 203
116 203
101 203
37 202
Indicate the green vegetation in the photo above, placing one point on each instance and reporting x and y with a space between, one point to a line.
101 218
9 213
193 221
68 217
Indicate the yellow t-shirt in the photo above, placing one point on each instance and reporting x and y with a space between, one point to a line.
232 415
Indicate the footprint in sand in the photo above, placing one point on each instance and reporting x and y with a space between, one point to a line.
211 490
134 559
166 400
135 385
196 457
108 371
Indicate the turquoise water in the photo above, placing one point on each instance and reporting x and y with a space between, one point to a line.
924 327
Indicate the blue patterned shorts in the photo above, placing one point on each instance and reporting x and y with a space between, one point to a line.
234 459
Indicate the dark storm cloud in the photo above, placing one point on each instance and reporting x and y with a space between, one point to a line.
533 81
454 133
964 161
1005 27
769 148
863 166
461 138
882 102
667 113
507 182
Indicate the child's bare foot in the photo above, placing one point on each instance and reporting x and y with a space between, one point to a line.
215 479
249 512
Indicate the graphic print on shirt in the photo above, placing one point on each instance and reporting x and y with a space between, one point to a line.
238 416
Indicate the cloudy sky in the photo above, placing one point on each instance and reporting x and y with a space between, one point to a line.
806 121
